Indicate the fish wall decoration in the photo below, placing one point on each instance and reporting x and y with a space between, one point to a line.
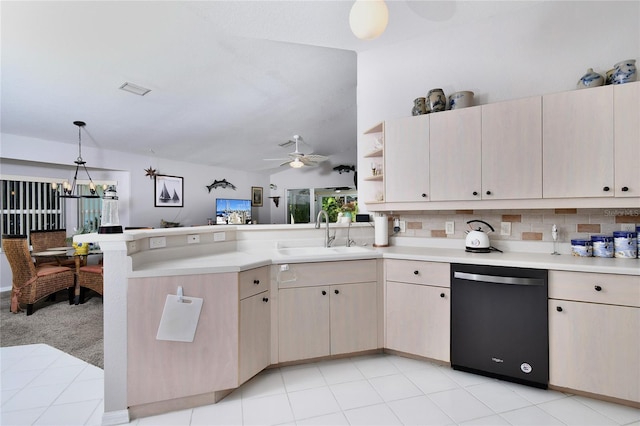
221 184
346 169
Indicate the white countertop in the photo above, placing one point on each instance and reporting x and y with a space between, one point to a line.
238 261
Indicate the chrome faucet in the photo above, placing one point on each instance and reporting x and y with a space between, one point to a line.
327 239
350 242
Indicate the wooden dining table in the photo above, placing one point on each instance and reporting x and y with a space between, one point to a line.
80 259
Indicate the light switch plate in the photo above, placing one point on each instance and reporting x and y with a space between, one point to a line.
219 236
403 226
157 242
505 228
628 227
449 228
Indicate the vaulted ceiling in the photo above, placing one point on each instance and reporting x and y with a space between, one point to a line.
229 80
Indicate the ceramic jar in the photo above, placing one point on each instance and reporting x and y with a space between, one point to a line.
419 106
459 100
590 79
624 72
436 100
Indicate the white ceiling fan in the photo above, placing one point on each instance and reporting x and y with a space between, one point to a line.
297 158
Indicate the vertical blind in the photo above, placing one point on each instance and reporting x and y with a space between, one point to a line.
27 205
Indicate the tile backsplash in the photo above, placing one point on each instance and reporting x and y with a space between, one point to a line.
526 225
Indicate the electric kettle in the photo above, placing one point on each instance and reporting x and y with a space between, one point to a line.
477 240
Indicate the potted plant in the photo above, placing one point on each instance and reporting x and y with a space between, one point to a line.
348 210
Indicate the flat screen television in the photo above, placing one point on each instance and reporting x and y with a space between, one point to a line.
232 211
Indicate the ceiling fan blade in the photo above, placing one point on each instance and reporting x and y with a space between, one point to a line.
317 158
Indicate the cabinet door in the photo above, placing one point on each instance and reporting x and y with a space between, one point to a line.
595 348
512 149
354 318
255 335
303 323
454 155
406 159
577 141
418 320
627 139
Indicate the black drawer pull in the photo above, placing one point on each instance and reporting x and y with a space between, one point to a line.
441 294
265 299
416 272
488 192
475 192
424 195
598 288
625 188
324 293
605 189
336 291
559 308
256 282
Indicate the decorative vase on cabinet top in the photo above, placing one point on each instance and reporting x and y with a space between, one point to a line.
436 100
624 72
590 79
419 106
459 100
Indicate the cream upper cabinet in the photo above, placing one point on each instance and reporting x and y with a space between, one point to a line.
626 120
578 155
594 335
406 159
512 149
455 155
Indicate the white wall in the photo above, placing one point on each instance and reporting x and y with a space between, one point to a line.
542 49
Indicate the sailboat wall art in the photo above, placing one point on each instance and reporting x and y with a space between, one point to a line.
169 191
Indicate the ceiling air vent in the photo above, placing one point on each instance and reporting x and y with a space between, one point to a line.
135 89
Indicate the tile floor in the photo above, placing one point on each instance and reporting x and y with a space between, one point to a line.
44 386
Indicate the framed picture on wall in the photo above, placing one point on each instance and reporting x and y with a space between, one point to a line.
169 191
256 196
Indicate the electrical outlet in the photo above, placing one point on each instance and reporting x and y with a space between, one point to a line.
628 227
505 228
284 267
449 228
132 246
193 239
403 226
157 242
219 236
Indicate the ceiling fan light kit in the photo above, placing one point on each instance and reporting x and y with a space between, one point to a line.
368 18
298 159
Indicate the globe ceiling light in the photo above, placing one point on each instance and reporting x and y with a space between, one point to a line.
296 164
368 18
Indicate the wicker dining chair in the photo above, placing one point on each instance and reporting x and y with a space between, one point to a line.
30 283
41 240
90 277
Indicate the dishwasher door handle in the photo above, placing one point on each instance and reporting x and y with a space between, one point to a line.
496 279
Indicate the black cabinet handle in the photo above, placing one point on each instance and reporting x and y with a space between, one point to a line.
559 308
488 192
336 291
424 195
441 294
416 272
475 192
324 293
265 299
625 188
598 288
605 189
256 282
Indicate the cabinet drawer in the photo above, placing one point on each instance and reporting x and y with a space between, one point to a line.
326 273
418 272
610 289
253 281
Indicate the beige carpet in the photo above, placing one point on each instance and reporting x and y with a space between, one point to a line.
74 329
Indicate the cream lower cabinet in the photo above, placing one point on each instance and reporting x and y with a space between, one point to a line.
230 345
594 333
316 320
417 308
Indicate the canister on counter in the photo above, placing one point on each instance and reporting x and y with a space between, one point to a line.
625 244
602 245
581 248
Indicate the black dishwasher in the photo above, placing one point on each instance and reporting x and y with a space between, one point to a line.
499 323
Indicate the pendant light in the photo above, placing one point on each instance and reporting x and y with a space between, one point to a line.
368 18
71 190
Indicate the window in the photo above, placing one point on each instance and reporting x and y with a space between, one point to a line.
89 210
29 204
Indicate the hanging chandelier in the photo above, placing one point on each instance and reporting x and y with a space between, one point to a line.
71 190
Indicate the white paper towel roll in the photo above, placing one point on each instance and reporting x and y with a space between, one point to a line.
381 231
